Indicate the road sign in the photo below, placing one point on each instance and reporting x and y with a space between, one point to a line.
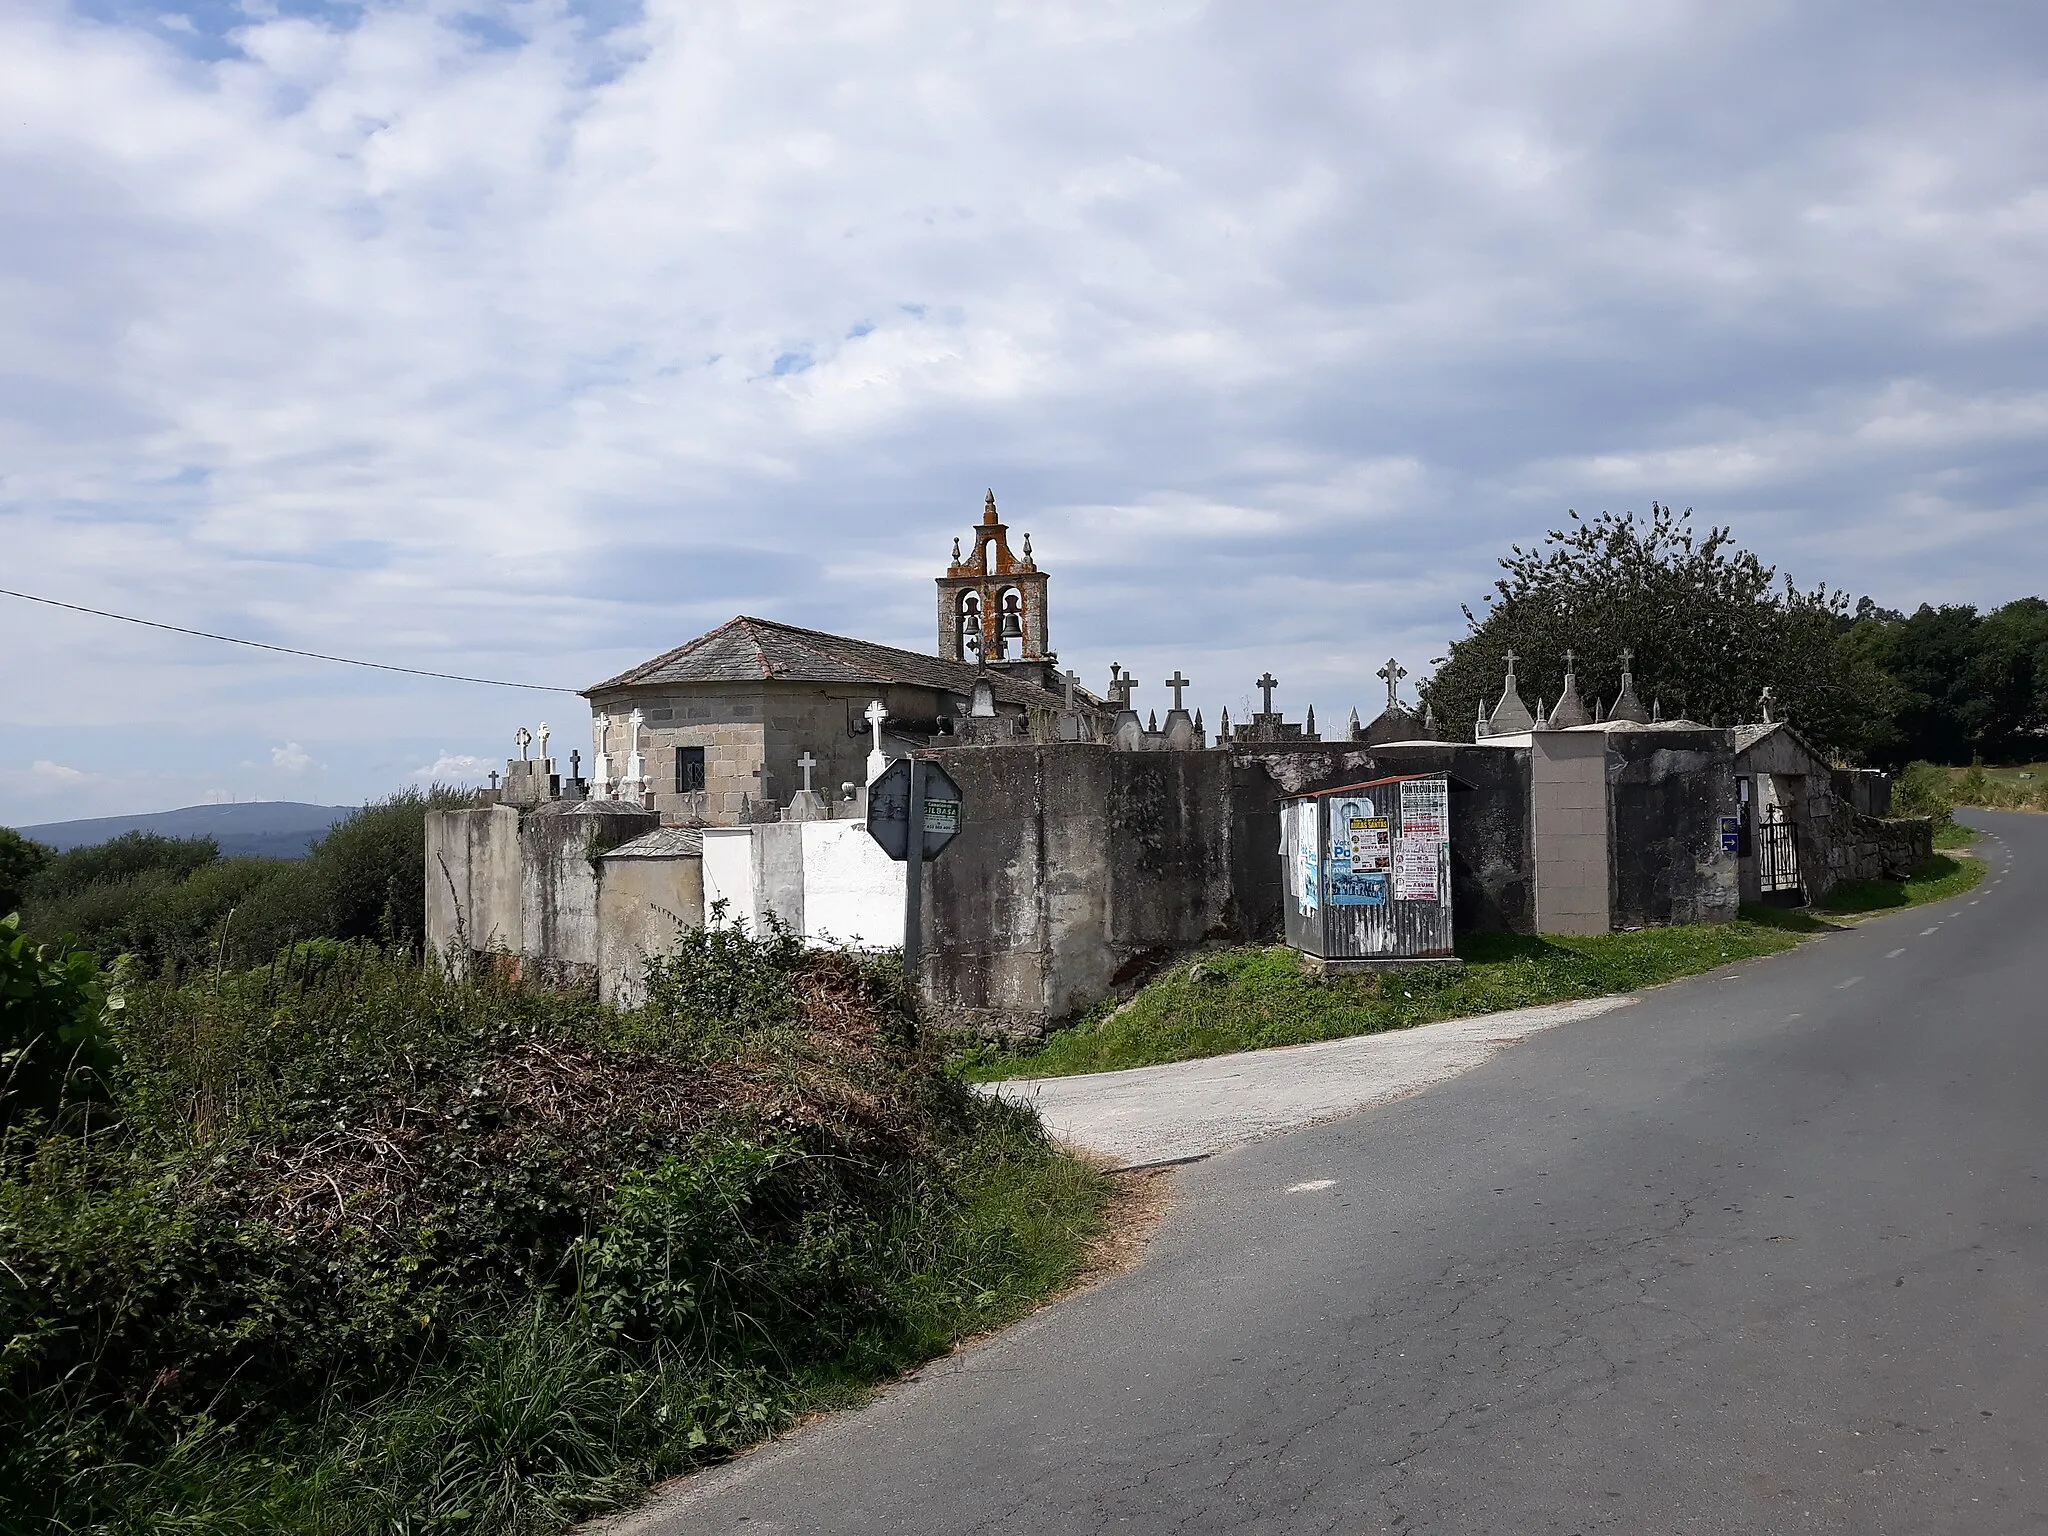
889 809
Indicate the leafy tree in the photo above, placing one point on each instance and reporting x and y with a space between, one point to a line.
1710 625
1962 684
20 858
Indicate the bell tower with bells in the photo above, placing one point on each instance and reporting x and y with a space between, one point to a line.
992 605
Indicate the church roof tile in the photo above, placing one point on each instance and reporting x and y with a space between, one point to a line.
749 650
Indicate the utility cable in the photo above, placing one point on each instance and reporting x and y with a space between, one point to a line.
286 650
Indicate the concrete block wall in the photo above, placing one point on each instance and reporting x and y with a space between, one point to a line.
1076 868
643 906
1569 831
1668 791
473 880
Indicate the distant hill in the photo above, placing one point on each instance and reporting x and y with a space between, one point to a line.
277 829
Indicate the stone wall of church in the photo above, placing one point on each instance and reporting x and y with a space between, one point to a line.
756 736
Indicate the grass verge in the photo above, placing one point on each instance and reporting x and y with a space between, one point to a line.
1942 878
1953 834
1252 998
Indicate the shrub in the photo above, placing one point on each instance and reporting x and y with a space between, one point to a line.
370 1247
1923 790
55 1044
20 858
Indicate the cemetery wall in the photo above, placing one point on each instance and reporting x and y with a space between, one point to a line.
1076 870
1667 793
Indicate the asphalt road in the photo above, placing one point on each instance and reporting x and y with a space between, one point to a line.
1764 1253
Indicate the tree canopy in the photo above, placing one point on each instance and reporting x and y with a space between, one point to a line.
1710 627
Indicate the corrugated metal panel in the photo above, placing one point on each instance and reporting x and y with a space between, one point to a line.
1369 870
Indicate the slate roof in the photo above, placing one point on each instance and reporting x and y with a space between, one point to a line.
748 650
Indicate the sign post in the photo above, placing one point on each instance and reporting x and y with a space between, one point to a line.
913 792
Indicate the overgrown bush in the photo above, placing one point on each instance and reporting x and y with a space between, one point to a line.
55 1043
359 1246
20 859
1922 789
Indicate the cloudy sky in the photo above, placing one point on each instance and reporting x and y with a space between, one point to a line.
528 340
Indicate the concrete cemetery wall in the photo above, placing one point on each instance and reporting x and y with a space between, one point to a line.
1668 791
472 879
1076 868
644 902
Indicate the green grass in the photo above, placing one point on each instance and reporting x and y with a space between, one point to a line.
1252 998
1942 878
1953 834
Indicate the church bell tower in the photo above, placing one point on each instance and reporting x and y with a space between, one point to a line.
992 604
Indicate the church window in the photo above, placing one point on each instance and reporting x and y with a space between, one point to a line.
689 770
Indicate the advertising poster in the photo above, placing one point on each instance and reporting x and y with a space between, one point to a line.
1423 849
1358 888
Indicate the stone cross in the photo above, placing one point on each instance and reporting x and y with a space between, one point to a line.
1069 681
1627 657
494 778
1391 674
575 764
1512 659
1570 661
1266 685
521 738
1766 702
543 738
1176 683
875 715
807 763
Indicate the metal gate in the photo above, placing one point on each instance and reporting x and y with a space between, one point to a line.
1777 854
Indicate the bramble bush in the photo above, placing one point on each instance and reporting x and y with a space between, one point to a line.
357 1245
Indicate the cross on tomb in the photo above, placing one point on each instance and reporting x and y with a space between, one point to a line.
1266 685
807 763
521 738
543 738
1512 659
494 778
1627 657
1069 681
1570 662
1176 683
575 764
875 715
1391 674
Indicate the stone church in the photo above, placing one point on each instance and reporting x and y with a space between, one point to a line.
728 728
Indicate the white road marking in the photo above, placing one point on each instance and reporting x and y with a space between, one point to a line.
1926 931
1311 1185
1849 983
1895 954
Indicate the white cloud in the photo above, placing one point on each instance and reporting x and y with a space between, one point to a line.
55 773
529 359
452 768
290 758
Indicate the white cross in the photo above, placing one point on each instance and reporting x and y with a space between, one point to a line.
875 715
520 739
807 763
543 738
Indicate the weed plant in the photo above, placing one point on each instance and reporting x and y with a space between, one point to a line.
355 1245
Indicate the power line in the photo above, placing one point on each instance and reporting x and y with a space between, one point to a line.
286 650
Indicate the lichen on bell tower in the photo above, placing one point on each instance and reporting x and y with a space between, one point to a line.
992 601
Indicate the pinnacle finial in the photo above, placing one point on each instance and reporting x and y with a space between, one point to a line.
988 510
